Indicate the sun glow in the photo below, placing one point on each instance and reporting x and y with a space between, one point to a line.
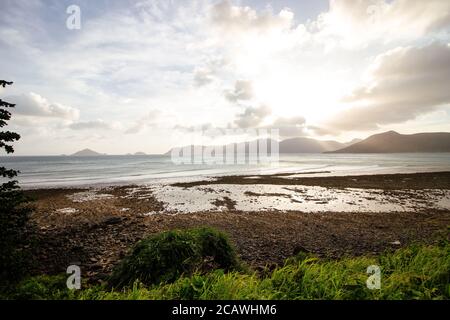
311 88
304 94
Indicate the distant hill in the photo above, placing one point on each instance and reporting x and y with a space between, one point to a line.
393 142
308 145
86 153
300 145
246 144
140 154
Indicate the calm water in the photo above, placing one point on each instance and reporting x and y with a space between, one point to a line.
48 171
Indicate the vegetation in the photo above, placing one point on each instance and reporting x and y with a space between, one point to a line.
169 255
415 272
41 288
13 210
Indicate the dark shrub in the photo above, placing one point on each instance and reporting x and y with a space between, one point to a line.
14 213
14 216
216 245
164 257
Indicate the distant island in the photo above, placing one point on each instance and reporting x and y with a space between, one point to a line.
295 145
394 142
140 154
87 153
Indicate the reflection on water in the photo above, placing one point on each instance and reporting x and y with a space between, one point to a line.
76 171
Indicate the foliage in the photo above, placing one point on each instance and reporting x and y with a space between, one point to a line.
165 257
13 211
415 272
41 288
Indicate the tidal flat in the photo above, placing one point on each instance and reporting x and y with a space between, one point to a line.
269 217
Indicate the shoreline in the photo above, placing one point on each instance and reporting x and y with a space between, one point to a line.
417 180
310 178
97 226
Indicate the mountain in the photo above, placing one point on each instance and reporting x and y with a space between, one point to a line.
392 142
86 153
299 145
308 145
224 147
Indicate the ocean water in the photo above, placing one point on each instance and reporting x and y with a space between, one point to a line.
64 171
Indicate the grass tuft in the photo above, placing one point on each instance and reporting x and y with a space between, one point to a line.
165 257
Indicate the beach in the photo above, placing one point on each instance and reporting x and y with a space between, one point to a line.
268 217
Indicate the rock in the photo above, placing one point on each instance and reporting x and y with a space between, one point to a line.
112 220
396 243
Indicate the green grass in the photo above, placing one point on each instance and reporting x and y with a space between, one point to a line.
167 256
415 272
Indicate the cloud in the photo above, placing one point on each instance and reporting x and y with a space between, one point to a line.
348 24
94 124
150 119
320 131
289 127
206 74
356 23
404 83
203 76
234 19
252 117
255 117
32 104
243 90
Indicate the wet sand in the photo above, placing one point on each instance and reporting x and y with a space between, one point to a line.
95 227
415 181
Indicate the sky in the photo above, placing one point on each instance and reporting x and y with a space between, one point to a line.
148 75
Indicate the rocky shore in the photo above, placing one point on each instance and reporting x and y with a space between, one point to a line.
94 228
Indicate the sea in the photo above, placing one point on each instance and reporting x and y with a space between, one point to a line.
67 171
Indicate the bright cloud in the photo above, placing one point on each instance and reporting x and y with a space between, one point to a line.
243 90
34 105
98 124
237 19
404 83
356 23
252 117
